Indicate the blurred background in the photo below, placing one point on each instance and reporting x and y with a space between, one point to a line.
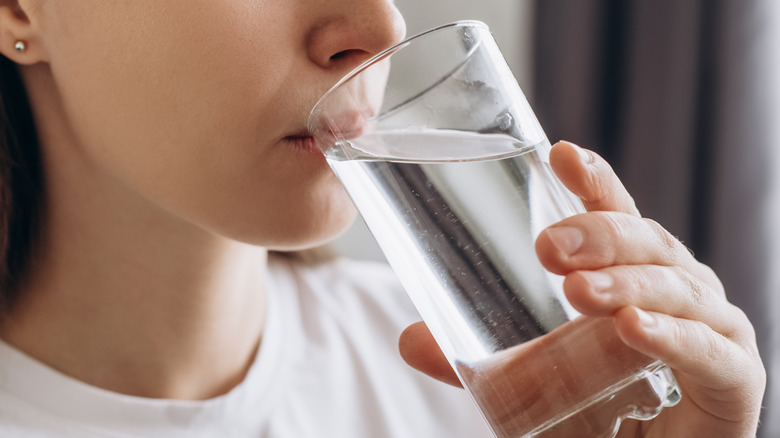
683 99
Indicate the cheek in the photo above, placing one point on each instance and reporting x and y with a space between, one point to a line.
181 114
151 85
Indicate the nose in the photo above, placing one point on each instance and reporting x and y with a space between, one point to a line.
354 30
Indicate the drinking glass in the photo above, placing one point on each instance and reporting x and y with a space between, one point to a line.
443 157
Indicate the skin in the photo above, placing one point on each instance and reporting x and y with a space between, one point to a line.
663 302
171 141
173 159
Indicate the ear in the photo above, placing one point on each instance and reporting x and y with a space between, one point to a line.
17 27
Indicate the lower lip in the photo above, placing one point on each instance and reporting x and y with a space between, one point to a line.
304 144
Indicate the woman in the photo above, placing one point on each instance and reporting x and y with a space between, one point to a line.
166 153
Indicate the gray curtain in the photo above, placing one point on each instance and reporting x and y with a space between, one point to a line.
680 96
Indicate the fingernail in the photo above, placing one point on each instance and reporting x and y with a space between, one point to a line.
567 239
646 320
585 156
599 281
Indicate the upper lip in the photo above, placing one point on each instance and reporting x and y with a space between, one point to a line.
344 126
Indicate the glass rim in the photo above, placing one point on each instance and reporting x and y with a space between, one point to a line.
387 52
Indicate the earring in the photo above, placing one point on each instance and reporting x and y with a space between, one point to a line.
20 46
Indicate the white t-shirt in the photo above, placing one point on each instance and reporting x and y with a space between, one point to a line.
328 366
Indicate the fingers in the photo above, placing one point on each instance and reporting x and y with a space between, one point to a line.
420 351
612 260
665 289
600 239
710 360
613 233
591 178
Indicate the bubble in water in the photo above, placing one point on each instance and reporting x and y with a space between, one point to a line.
504 121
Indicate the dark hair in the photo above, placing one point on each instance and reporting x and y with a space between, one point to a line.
21 183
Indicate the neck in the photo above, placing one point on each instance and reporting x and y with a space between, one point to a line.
139 313
129 297
137 318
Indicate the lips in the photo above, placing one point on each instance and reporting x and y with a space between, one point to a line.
351 124
344 126
302 140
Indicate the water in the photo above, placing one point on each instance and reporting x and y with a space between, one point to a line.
460 233
456 215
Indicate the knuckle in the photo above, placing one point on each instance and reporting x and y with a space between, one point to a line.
715 349
604 232
699 293
614 225
743 332
669 245
601 178
608 187
699 337
597 189
635 279
711 278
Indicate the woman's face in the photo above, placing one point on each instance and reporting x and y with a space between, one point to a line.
201 106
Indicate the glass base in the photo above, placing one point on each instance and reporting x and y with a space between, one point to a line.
641 397
579 380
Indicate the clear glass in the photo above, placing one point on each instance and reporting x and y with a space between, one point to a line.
446 162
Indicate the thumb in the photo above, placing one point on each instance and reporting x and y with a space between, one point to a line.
420 351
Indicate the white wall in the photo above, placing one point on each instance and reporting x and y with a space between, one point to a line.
509 20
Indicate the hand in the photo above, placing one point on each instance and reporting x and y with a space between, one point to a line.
662 301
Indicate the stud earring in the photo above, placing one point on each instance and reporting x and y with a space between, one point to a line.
20 46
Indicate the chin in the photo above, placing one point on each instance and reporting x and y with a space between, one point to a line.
296 233
305 241
322 234
314 223
310 211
